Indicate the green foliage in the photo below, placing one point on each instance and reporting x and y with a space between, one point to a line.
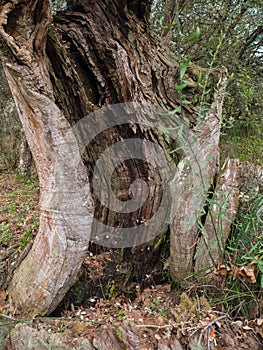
196 31
110 288
122 315
195 36
27 237
5 234
23 181
246 244
10 208
227 34
247 148
157 307
243 259
184 68
119 334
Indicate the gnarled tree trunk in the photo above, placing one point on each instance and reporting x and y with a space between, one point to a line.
42 279
95 54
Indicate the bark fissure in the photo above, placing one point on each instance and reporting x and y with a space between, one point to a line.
96 57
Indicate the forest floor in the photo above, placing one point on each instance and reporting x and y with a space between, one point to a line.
158 317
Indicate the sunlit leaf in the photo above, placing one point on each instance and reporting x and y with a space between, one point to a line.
182 86
184 68
186 102
195 36
169 26
176 110
199 79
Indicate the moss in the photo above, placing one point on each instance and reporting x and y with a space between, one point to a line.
191 309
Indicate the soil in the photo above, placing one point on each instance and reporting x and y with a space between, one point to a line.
153 316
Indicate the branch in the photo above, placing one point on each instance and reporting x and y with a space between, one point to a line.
251 39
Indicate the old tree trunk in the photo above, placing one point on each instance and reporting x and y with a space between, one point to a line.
93 55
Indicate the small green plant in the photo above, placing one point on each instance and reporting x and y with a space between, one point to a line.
27 237
123 318
12 194
5 234
10 208
118 333
23 181
157 307
244 260
110 288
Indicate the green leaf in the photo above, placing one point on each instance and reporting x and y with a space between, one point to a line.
194 99
169 26
176 110
186 102
182 86
184 68
199 79
167 138
177 149
180 131
195 36
260 265
203 229
198 251
212 201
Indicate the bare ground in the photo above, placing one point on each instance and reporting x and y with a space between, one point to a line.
158 317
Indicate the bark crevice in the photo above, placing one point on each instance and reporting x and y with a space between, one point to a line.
100 53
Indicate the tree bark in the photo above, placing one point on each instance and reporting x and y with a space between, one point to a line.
200 165
235 181
43 278
221 214
25 157
98 53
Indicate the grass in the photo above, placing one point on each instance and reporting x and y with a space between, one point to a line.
239 287
239 294
246 243
240 277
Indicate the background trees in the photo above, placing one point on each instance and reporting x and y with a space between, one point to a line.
233 29
237 25
234 25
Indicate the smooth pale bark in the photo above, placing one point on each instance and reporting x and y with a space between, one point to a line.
195 177
221 214
50 268
237 182
25 157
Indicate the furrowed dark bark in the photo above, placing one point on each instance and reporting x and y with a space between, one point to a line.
93 55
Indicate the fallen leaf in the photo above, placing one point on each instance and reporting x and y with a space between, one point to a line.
247 328
212 334
247 272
